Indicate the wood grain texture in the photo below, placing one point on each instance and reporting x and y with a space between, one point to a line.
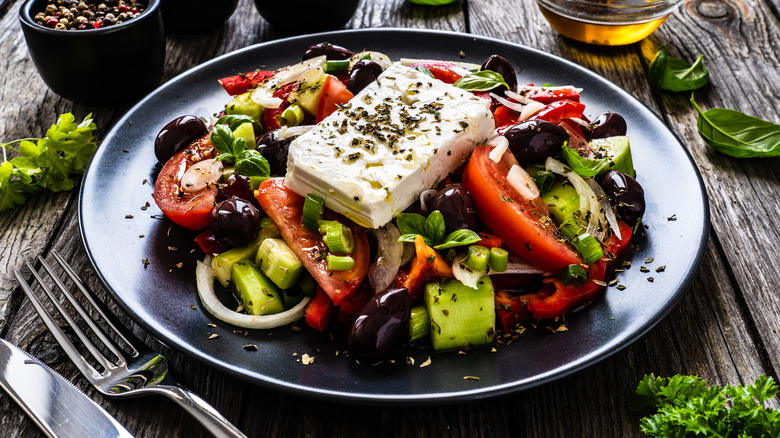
725 329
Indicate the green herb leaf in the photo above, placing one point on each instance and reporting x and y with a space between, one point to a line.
674 74
222 139
434 227
424 70
238 147
252 163
432 2
411 223
233 121
584 167
412 237
458 238
738 134
685 406
481 81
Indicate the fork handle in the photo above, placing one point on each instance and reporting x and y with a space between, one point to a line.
209 417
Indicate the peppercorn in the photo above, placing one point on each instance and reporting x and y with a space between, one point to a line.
87 14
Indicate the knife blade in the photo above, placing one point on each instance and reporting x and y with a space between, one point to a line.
55 405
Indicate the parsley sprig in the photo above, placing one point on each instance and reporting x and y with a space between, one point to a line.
47 163
432 230
686 407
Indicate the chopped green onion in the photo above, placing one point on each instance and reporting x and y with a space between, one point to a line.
292 115
312 209
338 238
589 247
499 259
477 259
366 56
574 275
570 229
339 263
419 324
337 66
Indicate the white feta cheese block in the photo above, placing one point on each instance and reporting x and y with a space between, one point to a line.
400 135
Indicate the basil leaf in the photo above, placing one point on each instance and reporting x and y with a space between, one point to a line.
434 227
584 167
674 74
411 237
424 70
233 121
481 81
459 238
238 147
410 223
432 2
222 139
252 163
738 134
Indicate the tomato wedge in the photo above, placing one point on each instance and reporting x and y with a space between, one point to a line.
334 93
189 210
551 94
523 225
442 70
505 116
285 208
241 83
559 110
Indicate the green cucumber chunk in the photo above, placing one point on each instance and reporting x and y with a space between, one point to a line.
460 316
279 263
307 96
243 104
247 132
617 150
257 293
223 263
562 201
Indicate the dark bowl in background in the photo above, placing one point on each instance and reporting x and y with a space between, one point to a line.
189 17
98 67
296 17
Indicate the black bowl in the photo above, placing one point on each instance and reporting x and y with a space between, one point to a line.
98 67
187 17
297 17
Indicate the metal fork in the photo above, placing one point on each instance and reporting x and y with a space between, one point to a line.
141 371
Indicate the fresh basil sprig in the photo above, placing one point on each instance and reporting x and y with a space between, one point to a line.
481 81
235 120
432 230
424 70
674 74
248 162
584 167
738 134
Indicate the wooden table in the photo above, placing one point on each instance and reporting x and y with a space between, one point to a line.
725 330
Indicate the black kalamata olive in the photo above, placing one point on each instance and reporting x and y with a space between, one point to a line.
238 186
380 326
533 141
331 51
456 206
176 135
608 124
363 73
275 151
626 194
501 66
234 222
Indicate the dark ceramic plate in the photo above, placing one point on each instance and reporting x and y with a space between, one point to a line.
162 297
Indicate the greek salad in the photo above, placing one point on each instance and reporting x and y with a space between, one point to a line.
400 201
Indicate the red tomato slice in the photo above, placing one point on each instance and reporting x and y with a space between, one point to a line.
551 94
442 70
559 110
334 93
189 210
285 208
520 223
505 116
241 83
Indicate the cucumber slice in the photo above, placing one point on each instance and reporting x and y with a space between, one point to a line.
242 104
279 263
223 263
562 201
460 316
258 294
307 96
618 150
247 132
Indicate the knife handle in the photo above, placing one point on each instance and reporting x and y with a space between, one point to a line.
209 417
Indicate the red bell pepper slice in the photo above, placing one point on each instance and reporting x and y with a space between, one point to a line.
511 309
208 243
489 240
505 116
271 115
241 83
442 70
319 310
548 95
559 110
567 298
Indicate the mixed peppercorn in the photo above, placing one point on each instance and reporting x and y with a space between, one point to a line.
87 14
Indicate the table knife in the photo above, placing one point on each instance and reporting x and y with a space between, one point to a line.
55 405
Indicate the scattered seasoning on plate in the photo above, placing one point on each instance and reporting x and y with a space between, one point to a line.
470 378
621 287
87 14
661 268
306 359
426 363
650 279
214 336
145 262
128 216
250 347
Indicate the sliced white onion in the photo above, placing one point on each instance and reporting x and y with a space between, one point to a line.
464 274
263 95
606 207
519 265
522 182
519 97
380 58
200 174
425 197
589 201
286 132
531 109
388 261
265 98
204 276
508 103
501 145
